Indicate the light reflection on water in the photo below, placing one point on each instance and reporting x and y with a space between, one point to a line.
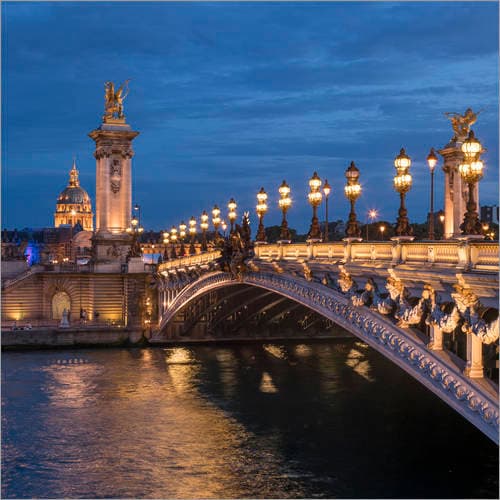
287 420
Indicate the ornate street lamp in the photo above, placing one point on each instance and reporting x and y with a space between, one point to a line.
402 184
352 191
471 171
432 160
204 227
261 209
284 203
216 222
315 198
192 233
223 225
326 191
166 241
135 230
173 239
232 213
182 235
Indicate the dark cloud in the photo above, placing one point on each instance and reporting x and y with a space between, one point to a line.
229 96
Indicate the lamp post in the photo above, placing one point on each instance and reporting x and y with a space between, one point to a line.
192 234
223 225
432 160
204 227
352 191
182 235
166 241
216 222
261 209
232 213
382 229
284 203
173 239
315 198
402 184
135 229
326 191
471 171
372 215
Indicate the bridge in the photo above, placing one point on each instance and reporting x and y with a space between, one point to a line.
429 307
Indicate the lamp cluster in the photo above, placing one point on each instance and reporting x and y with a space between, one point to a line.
470 169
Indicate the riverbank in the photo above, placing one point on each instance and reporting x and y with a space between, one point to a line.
50 338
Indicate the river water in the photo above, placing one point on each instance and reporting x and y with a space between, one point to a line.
327 419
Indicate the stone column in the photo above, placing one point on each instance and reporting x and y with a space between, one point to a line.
113 155
474 367
436 338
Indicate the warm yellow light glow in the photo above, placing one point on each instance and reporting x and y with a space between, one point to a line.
284 189
327 188
352 191
471 147
216 211
223 225
441 218
134 221
315 197
373 214
315 182
402 162
232 205
204 221
432 159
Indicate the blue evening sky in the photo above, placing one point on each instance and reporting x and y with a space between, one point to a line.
229 97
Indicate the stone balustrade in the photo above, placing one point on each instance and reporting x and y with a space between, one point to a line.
467 255
189 261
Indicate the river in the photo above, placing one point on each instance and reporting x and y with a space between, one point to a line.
285 420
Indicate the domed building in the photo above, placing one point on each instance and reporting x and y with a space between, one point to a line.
74 205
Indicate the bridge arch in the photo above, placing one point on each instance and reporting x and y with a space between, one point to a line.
431 368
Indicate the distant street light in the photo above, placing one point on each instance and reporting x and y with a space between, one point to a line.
204 227
352 192
382 229
192 233
402 184
432 160
261 209
372 215
326 191
285 202
315 198
232 213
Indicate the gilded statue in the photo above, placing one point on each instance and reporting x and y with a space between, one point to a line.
462 123
113 100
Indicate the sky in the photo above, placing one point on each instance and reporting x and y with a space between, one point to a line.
229 97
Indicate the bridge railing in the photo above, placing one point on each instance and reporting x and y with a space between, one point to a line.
190 260
460 254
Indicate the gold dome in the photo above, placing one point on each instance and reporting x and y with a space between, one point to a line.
73 204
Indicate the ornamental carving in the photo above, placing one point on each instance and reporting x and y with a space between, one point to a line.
115 175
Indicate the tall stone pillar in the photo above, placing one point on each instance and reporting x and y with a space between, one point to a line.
113 154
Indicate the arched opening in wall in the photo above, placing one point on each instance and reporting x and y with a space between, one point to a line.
60 301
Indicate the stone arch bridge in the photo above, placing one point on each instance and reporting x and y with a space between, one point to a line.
430 308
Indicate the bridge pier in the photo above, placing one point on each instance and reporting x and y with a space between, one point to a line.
474 367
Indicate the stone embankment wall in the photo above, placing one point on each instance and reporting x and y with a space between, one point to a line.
58 337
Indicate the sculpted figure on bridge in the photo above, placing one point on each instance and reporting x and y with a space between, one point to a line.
409 315
368 296
462 123
345 282
237 250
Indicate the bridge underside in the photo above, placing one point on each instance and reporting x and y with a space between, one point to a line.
245 311
219 304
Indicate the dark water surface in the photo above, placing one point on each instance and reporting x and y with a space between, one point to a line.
279 420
